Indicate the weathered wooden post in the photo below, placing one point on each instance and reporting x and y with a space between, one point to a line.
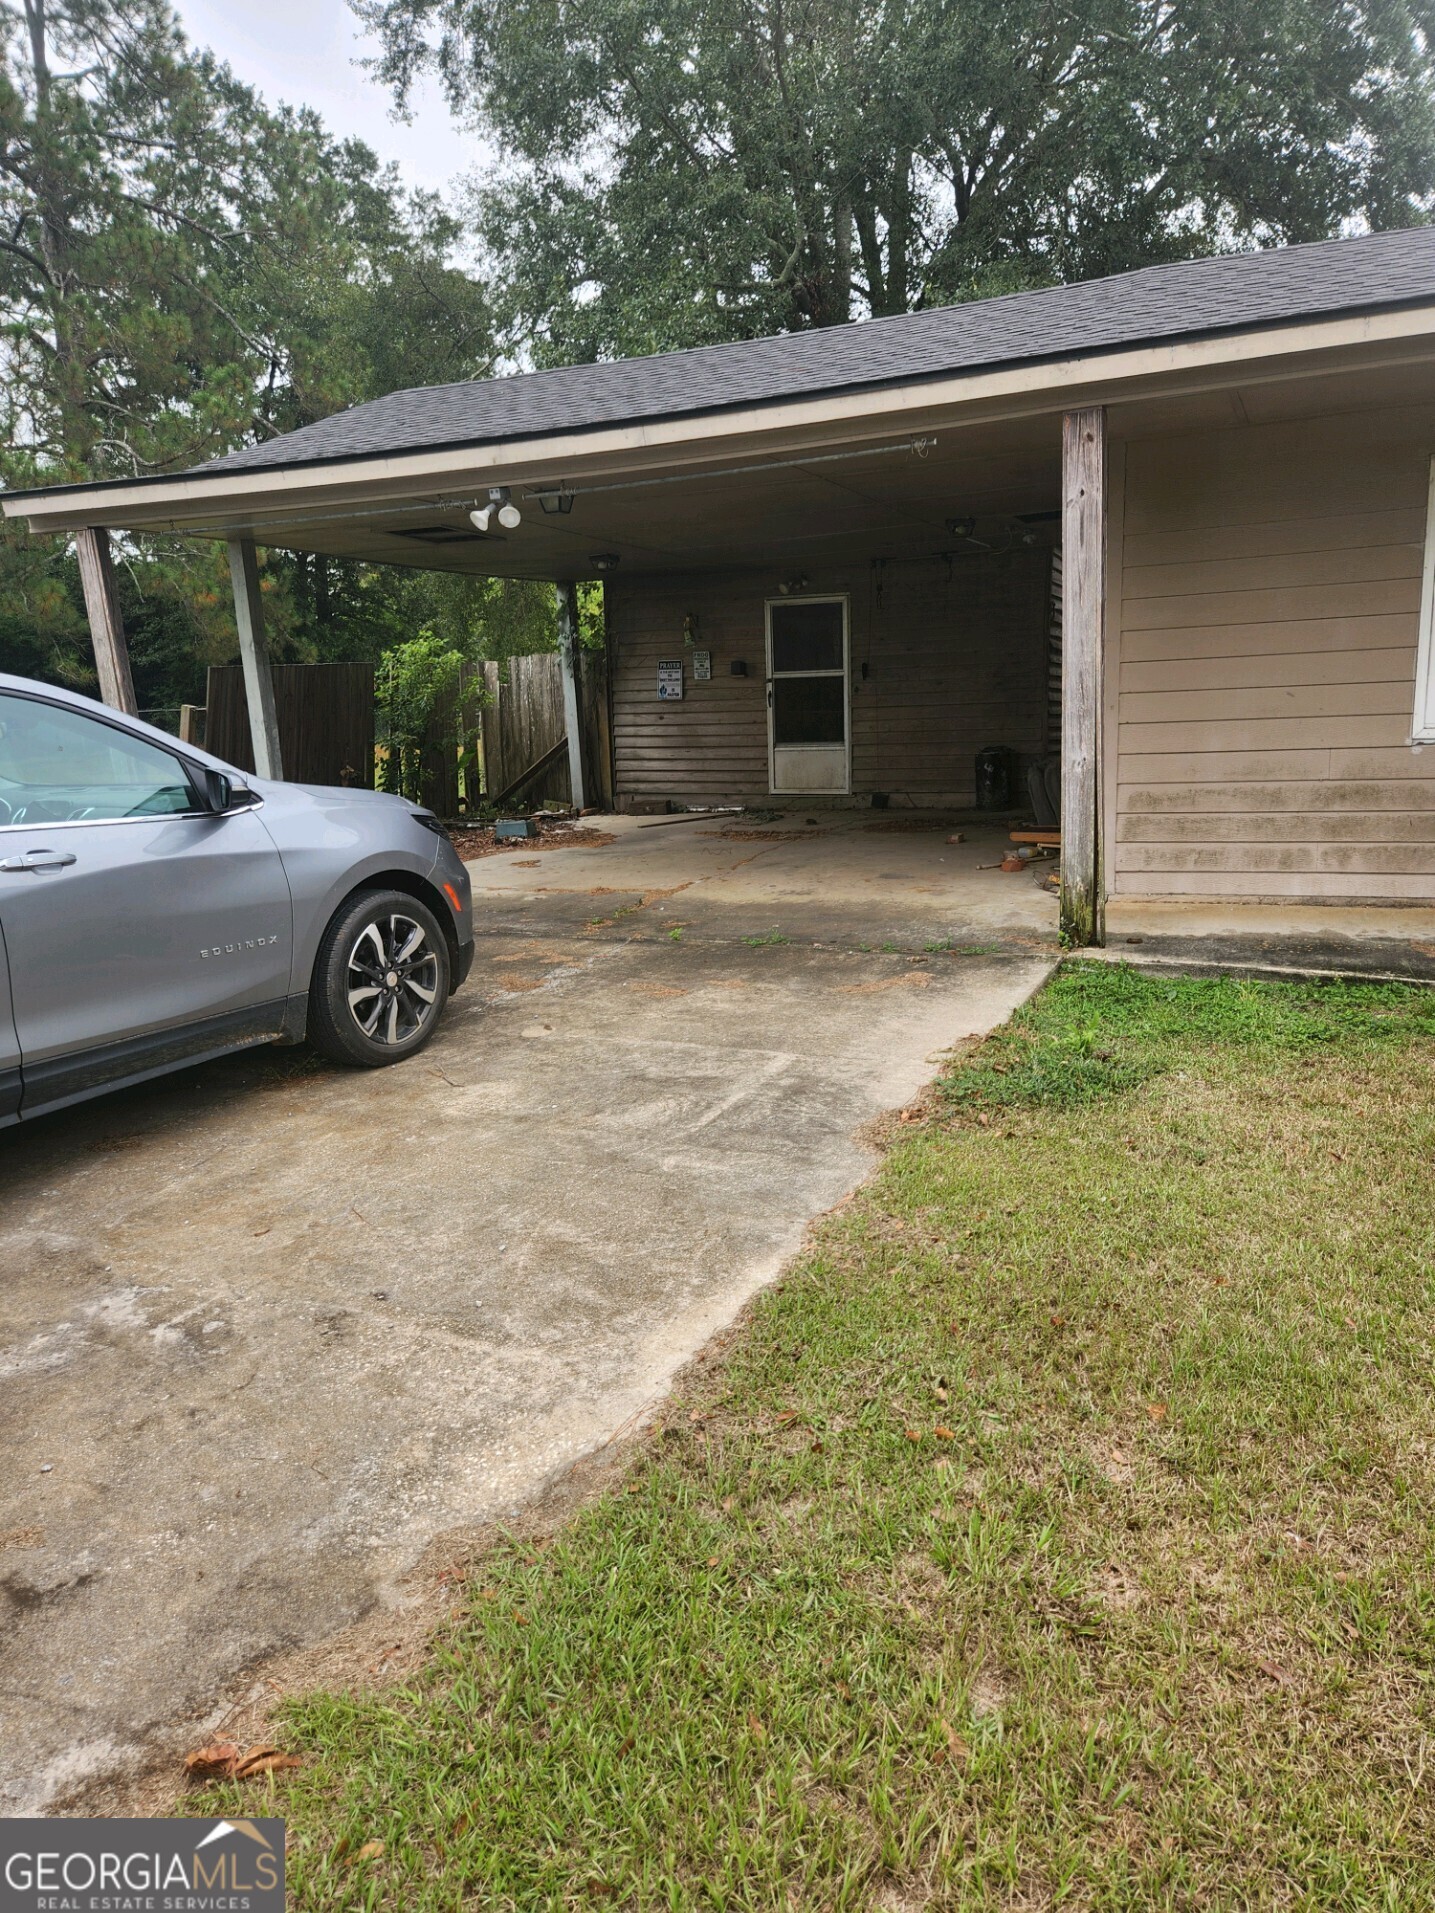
1083 609
254 655
107 630
568 658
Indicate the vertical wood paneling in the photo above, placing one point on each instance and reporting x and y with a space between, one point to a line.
523 719
325 715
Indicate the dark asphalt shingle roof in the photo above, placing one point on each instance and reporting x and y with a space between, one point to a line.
1198 297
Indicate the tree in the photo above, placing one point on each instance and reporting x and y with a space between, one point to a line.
182 271
681 171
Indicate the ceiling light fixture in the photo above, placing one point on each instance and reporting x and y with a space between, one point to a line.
555 499
603 560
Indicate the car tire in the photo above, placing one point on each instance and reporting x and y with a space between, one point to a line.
377 994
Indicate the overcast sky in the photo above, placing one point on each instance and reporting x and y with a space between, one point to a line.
306 52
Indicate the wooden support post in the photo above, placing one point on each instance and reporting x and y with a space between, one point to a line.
107 630
1083 577
254 655
569 663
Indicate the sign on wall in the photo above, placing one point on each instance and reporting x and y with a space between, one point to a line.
702 667
670 679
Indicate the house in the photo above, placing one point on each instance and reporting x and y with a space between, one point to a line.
829 560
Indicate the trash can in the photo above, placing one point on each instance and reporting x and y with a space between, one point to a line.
994 778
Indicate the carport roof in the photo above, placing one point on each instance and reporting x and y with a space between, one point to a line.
1191 299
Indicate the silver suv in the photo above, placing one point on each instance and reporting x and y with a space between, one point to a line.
158 907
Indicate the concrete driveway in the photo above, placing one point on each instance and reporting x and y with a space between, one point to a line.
269 1328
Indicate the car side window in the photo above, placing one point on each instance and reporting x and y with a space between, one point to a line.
59 766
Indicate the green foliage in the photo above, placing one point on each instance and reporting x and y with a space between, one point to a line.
709 169
419 679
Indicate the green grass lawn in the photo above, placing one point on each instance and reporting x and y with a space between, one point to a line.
1057 1533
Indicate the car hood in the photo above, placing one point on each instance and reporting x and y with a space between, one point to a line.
331 796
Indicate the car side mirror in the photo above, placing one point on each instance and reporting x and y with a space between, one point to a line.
222 794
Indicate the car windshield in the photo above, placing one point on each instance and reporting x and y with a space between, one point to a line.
63 766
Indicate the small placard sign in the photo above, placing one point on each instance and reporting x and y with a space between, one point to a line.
702 666
670 678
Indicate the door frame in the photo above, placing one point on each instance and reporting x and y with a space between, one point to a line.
844 598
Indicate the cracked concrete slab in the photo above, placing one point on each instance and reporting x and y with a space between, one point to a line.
269 1328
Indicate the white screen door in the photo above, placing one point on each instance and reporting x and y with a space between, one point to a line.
807 694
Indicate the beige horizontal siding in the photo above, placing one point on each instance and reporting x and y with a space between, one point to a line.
1267 595
1268 670
1263 538
1332 826
1272 571
1256 801
1298 886
1201 769
1398 595
1304 635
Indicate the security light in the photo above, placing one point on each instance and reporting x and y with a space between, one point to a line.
555 500
500 504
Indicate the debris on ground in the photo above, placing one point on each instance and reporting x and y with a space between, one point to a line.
547 832
918 821
226 1760
759 836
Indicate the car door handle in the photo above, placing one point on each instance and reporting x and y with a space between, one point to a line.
39 860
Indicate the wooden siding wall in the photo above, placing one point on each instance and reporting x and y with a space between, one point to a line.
1266 604
946 659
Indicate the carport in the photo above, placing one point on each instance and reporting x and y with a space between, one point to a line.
828 562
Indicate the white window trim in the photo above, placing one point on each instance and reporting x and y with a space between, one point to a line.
1423 729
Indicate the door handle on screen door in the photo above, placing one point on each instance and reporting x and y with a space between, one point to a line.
39 860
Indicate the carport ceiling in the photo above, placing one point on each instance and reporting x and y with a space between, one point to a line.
889 499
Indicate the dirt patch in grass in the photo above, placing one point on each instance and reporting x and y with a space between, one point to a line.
1056 1531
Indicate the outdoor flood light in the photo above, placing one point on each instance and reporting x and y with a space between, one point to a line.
500 504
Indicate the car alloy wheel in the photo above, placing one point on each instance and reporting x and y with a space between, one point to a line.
392 980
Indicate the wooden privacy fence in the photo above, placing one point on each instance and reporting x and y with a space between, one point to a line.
498 732
326 721
524 728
